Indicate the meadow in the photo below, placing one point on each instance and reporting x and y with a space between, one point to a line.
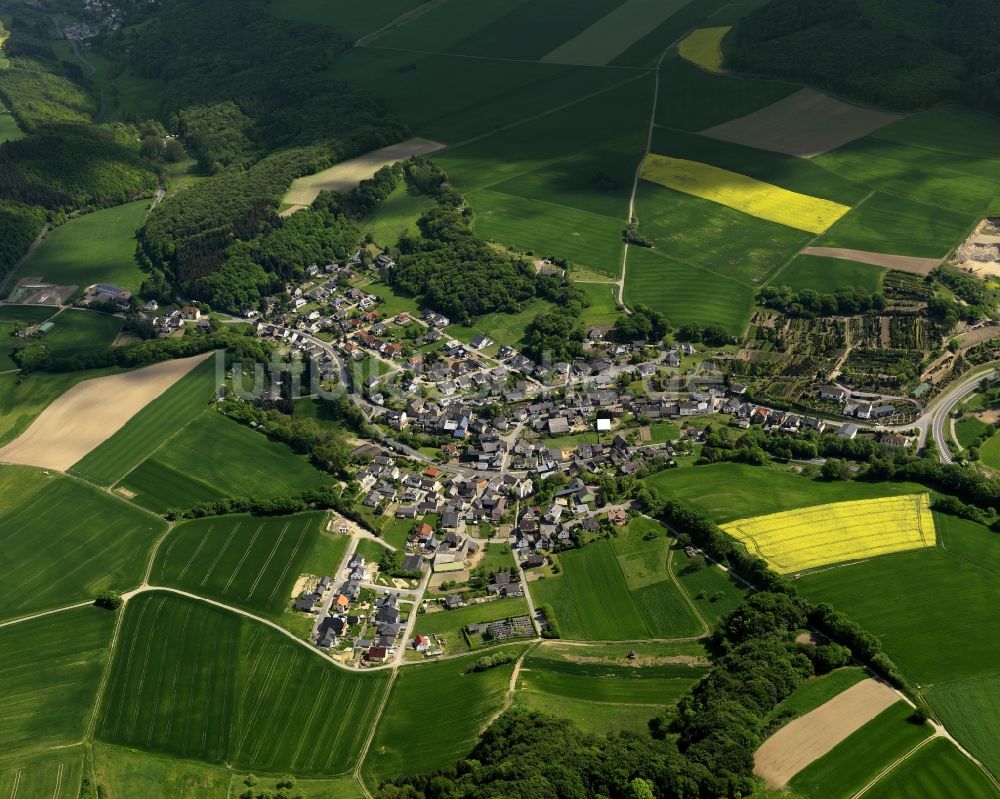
397 214
98 247
967 430
748 195
850 765
712 590
9 129
703 47
53 776
971 712
728 491
820 535
502 328
937 771
827 275
943 632
49 678
434 716
450 623
616 592
65 541
193 681
603 308
151 427
78 332
251 562
990 451
199 463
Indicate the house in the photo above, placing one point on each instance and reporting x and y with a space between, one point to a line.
421 643
832 393
453 601
376 654
618 517
480 342
533 562
191 314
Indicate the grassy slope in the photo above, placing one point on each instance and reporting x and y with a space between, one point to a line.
148 429
65 542
239 560
95 248
193 681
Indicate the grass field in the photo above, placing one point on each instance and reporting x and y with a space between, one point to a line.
603 308
49 676
990 451
703 47
64 541
742 193
617 591
807 538
95 248
9 129
214 456
151 427
599 697
936 771
971 712
56 775
78 332
968 429
434 716
849 766
502 328
729 491
827 275
197 682
450 623
948 631
240 560
712 590
398 213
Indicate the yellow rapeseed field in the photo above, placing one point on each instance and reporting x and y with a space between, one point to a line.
797 540
746 194
703 47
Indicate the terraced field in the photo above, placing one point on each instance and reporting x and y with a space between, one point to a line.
193 681
54 533
246 561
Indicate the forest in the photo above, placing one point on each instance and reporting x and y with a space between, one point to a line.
901 56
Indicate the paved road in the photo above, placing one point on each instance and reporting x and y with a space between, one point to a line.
951 397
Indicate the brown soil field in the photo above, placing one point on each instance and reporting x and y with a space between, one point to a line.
90 413
901 263
811 736
806 123
348 174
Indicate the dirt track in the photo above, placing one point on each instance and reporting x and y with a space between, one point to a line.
348 174
806 123
808 738
90 413
901 263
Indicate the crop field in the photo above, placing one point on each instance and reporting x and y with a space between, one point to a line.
150 427
677 290
593 599
807 538
54 776
742 193
346 17
818 690
64 541
971 712
937 771
949 630
851 764
78 332
600 697
728 491
703 47
214 456
827 275
98 247
194 681
49 676
461 704
248 561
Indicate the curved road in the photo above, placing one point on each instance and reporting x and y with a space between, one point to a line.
947 401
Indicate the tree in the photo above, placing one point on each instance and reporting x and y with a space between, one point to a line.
110 600
639 789
833 469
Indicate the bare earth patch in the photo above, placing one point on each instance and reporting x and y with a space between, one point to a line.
90 413
348 174
806 123
808 738
901 263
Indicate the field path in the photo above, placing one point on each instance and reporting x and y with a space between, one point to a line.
363 752
705 626
901 263
24 258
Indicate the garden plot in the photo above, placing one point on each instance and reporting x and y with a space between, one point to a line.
806 124
794 541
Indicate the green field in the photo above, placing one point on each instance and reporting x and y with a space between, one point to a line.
9 130
817 691
197 682
967 430
946 631
56 775
151 427
434 716
937 771
617 591
712 590
79 332
64 541
214 456
603 308
95 248
397 214
856 760
827 275
600 697
971 712
49 677
451 623
728 491
240 560
502 328
346 17
990 451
